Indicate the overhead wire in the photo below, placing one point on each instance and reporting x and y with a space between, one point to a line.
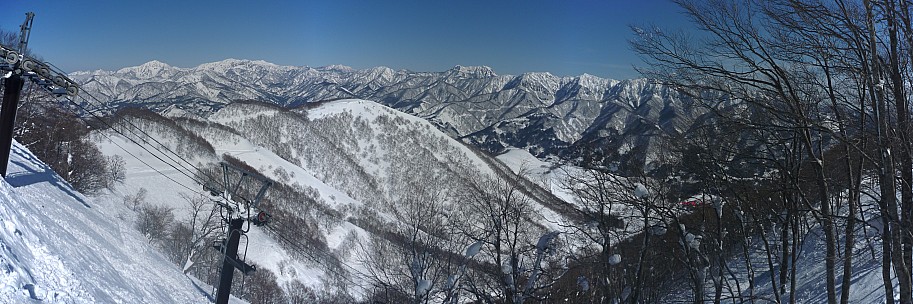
134 155
100 104
137 143
300 248
174 164
192 177
158 145
176 161
134 141
182 170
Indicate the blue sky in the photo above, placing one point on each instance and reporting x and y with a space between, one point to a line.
565 38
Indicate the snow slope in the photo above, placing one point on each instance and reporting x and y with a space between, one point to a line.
349 160
59 246
168 187
867 284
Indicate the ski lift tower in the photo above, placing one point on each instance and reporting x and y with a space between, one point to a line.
15 67
240 194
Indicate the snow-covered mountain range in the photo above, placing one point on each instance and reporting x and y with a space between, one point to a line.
540 112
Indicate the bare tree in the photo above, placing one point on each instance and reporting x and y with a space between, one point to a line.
411 256
817 71
154 221
260 287
118 170
137 199
298 293
525 260
202 226
599 193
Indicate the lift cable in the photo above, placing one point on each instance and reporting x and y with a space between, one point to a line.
137 157
297 246
159 146
142 132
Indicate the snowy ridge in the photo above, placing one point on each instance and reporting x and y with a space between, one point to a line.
342 168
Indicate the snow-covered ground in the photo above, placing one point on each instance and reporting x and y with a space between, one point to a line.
59 246
867 284
546 174
368 151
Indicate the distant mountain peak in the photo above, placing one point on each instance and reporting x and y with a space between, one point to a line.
147 70
227 64
337 67
471 71
537 75
587 77
155 63
380 73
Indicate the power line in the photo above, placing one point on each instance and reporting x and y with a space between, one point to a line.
138 144
143 133
300 248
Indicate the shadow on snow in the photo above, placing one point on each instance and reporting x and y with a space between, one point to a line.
30 176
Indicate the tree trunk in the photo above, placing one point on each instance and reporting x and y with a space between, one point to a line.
794 258
639 276
855 176
901 234
886 175
720 259
604 282
785 248
906 208
827 220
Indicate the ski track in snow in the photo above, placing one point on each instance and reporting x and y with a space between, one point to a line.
59 246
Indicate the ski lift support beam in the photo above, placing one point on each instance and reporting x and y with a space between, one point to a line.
230 251
265 183
15 62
